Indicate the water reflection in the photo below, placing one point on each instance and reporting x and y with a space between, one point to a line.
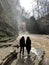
24 61
29 61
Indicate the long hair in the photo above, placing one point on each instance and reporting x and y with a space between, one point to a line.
28 41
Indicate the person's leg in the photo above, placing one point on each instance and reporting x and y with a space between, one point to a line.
23 51
27 50
20 49
29 53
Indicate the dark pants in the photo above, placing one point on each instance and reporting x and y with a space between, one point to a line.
22 50
28 48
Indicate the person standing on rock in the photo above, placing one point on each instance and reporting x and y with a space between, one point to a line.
28 45
22 45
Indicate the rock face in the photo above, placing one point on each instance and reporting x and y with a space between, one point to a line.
8 19
6 28
8 24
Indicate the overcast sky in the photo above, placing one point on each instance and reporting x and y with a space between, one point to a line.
29 5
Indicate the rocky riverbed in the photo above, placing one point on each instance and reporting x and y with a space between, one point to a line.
38 42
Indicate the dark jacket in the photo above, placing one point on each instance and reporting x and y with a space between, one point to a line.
28 43
22 42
